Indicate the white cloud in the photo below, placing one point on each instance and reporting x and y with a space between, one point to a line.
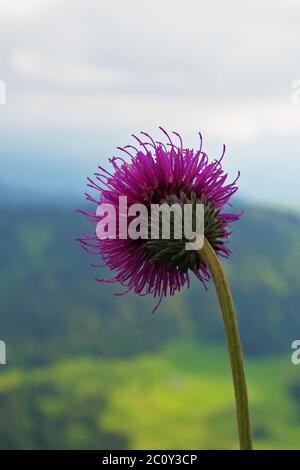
43 70
21 10
223 120
226 68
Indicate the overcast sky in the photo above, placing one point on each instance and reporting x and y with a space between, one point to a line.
82 75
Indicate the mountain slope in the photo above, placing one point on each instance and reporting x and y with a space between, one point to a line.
50 305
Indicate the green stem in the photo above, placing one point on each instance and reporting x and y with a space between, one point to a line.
211 260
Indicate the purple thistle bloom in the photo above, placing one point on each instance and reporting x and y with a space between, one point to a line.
154 173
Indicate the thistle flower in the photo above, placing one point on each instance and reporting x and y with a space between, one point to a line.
156 173
152 173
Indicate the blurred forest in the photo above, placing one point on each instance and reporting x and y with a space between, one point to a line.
87 369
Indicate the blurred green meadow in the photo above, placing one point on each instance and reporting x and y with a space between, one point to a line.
88 370
180 397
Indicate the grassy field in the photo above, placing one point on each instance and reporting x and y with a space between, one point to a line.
179 398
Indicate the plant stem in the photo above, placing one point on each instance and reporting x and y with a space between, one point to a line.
211 260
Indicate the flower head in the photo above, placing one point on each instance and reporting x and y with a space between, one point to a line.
153 173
